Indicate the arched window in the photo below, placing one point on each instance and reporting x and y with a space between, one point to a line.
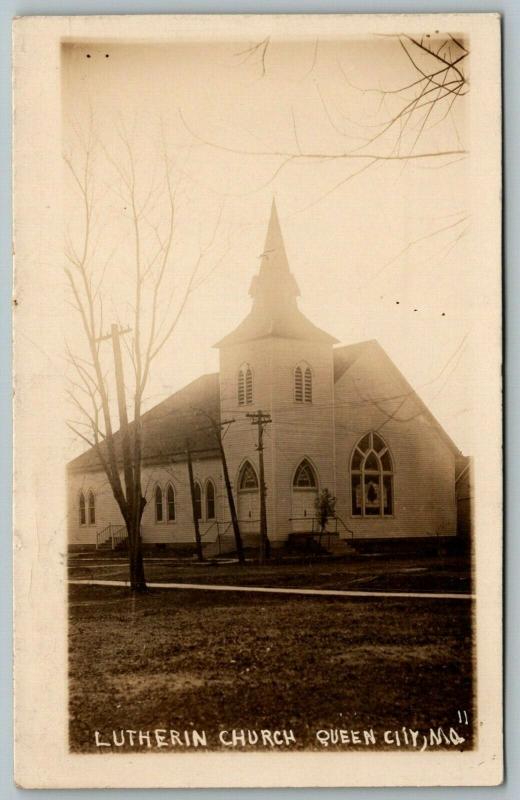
241 388
248 480
303 384
158 504
82 510
249 386
298 385
372 478
210 500
308 386
198 501
170 503
91 508
305 477
245 385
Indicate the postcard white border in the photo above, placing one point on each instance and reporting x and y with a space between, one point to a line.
42 757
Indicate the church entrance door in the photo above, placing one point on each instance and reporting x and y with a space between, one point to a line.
249 511
304 493
304 511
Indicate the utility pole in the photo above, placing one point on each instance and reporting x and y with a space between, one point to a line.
198 540
260 419
216 427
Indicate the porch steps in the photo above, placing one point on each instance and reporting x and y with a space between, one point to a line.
340 547
326 544
225 544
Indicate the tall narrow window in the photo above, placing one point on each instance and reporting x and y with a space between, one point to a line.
158 504
303 383
82 510
371 477
308 386
245 385
210 500
249 386
198 501
170 502
298 385
91 509
241 388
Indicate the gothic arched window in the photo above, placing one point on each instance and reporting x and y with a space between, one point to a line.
303 384
372 478
298 385
305 477
241 388
170 503
248 480
249 386
245 385
82 510
307 386
210 500
198 500
91 508
158 504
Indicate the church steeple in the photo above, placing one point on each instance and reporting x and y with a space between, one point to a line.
274 288
274 291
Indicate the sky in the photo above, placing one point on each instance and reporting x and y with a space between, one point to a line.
381 247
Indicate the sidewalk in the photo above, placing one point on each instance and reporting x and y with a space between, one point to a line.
277 590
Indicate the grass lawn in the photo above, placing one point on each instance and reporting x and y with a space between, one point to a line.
200 660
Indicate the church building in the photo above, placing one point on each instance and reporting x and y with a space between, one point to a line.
341 417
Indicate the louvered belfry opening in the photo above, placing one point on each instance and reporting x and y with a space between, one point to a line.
303 384
298 385
245 386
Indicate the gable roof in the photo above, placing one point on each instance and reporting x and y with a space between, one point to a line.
166 426
345 357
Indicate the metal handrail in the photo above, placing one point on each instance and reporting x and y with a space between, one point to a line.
226 529
119 535
226 533
204 534
312 520
101 533
114 533
349 530
327 532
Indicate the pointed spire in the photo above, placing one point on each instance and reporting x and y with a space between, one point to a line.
274 287
274 291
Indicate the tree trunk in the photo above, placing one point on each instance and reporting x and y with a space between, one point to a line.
231 503
135 558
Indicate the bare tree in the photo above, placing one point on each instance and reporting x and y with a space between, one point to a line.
438 80
150 214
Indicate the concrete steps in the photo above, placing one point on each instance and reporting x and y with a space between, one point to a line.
225 545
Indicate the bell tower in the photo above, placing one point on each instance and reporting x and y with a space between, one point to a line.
276 360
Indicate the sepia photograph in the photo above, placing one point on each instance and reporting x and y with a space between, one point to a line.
270 300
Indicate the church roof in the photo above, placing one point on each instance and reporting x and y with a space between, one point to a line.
166 426
274 291
346 355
